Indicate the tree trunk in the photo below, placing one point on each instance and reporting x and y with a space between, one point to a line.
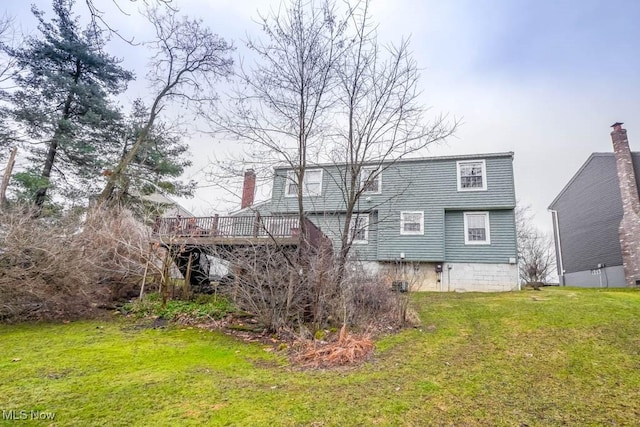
7 177
121 168
41 194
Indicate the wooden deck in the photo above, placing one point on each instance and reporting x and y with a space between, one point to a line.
235 231
232 238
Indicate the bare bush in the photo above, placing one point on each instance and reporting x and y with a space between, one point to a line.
536 252
271 283
52 268
369 299
121 250
43 270
268 281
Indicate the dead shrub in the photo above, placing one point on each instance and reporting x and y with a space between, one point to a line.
369 300
267 282
120 247
288 294
64 267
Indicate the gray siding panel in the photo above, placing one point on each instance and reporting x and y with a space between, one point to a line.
331 225
610 277
331 199
409 183
502 247
589 213
426 247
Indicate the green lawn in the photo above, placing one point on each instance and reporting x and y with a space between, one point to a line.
556 357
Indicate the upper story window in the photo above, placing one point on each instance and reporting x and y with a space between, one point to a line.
359 228
370 180
411 223
472 175
476 228
312 183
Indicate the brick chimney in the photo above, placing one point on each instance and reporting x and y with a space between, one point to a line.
629 230
248 188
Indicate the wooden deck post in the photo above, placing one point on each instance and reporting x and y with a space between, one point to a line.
214 227
187 277
146 269
256 224
165 277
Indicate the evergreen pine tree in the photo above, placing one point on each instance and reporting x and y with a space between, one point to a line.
63 100
158 163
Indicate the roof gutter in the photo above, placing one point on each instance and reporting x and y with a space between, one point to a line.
509 154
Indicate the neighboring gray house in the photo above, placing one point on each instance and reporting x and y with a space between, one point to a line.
169 207
597 236
447 222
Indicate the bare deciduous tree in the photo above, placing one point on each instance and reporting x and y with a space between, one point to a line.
283 100
98 19
7 38
536 254
188 61
8 67
326 90
323 90
381 117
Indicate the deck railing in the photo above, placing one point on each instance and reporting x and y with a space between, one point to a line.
257 226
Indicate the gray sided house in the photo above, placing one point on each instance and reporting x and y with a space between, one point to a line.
441 223
596 220
169 207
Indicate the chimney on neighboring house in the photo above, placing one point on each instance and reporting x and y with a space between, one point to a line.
248 188
629 230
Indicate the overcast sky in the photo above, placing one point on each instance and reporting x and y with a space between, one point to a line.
544 79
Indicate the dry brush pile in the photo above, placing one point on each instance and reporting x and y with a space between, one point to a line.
346 349
65 267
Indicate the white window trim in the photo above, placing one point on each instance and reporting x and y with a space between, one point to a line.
403 232
366 229
484 175
378 178
486 225
291 177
